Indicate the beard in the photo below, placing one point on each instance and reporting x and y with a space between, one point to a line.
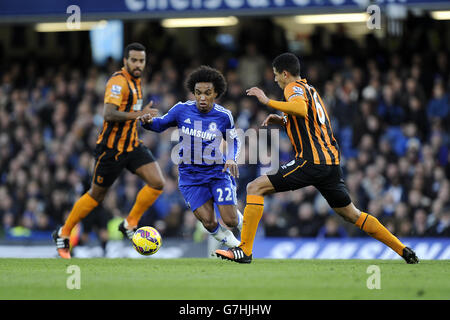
132 71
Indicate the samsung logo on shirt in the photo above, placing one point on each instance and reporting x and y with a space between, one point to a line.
198 133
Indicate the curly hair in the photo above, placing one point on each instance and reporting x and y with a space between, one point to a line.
207 74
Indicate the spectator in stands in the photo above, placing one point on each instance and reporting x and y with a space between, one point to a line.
441 228
420 227
251 66
306 223
438 107
389 111
332 229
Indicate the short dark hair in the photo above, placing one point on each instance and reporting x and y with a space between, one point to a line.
287 62
133 46
207 74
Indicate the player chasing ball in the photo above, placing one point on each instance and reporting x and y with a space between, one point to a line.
118 147
316 163
206 175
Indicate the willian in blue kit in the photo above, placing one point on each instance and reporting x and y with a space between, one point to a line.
206 174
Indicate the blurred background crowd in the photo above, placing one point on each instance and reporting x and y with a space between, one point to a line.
390 112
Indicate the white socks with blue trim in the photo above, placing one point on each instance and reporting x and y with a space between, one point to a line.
225 236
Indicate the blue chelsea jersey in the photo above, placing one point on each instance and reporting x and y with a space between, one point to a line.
201 136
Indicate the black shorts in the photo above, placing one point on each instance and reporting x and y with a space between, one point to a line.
299 173
109 163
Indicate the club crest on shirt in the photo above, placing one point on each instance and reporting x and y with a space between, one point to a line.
212 126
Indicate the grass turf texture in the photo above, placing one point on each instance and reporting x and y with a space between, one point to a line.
214 279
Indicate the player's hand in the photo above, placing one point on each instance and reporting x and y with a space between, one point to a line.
273 119
145 118
147 113
259 94
232 165
153 112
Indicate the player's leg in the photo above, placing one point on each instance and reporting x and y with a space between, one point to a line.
228 213
253 211
231 216
375 229
142 163
81 208
335 192
106 170
288 177
206 215
256 190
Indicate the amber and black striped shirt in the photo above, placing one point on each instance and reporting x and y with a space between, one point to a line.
125 92
311 136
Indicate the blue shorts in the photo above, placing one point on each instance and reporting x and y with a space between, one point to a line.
221 189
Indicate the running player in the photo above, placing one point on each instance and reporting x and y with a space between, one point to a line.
316 162
118 147
206 175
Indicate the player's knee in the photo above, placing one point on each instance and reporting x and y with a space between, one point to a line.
158 183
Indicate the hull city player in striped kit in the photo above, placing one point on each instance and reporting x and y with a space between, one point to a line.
316 162
206 175
118 147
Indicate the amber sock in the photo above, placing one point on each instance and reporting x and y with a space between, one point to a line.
375 229
80 209
145 198
252 214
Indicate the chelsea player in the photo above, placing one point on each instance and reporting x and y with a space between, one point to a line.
206 174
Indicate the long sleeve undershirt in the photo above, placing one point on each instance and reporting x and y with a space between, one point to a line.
296 106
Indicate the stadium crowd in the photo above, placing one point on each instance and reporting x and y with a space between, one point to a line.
390 111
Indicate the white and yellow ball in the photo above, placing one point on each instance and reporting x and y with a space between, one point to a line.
147 240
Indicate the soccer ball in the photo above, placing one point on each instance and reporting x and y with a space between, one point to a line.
147 240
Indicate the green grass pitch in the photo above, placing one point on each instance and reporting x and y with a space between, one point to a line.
214 279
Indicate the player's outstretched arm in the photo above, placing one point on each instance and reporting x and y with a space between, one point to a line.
159 124
111 114
296 106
